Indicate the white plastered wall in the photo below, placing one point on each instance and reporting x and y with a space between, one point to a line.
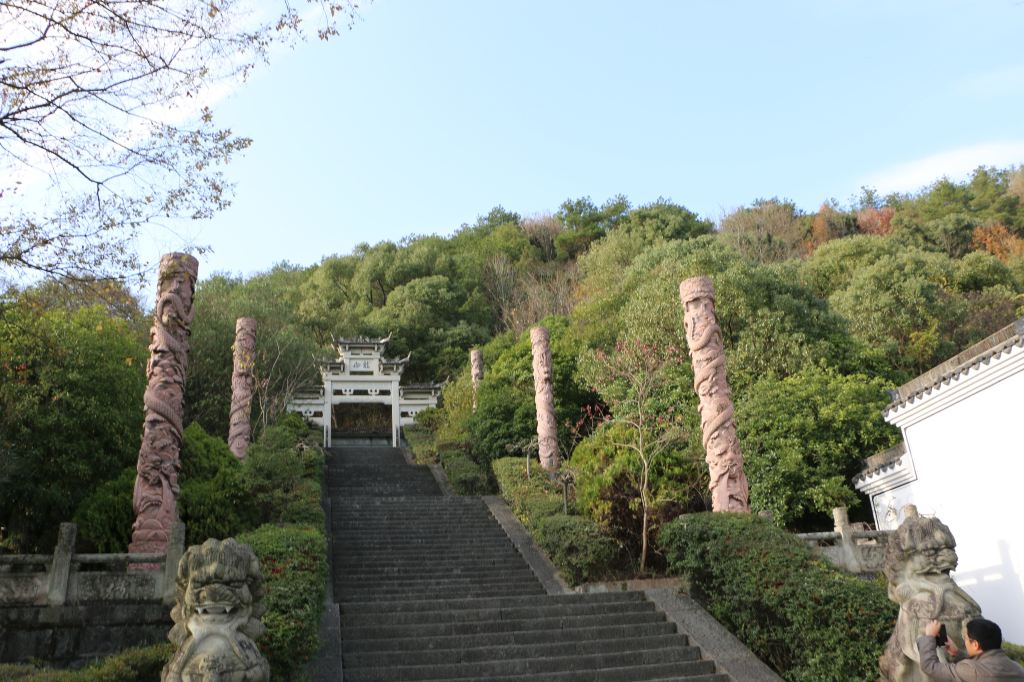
968 448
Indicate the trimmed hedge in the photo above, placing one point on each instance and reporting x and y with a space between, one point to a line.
293 559
138 664
575 544
465 475
808 620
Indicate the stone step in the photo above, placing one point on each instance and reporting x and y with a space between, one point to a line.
432 574
510 638
674 660
427 584
531 624
511 613
429 587
433 656
428 604
495 591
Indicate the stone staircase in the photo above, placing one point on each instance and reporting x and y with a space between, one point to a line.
430 587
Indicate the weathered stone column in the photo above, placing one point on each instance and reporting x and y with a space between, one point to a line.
242 386
729 490
156 484
547 427
476 363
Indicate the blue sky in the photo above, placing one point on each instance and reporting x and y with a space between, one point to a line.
427 114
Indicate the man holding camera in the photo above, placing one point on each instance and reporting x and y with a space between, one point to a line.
984 660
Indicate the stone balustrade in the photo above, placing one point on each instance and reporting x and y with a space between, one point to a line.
855 550
66 577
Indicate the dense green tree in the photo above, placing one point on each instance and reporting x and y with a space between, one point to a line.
506 420
768 231
285 348
71 385
584 223
804 437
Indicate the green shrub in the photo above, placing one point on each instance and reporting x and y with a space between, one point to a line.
294 564
803 617
138 664
1014 651
577 546
294 424
203 455
302 505
105 517
530 497
219 507
465 475
272 470
421 443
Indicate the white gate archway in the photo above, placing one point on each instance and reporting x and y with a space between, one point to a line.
362 375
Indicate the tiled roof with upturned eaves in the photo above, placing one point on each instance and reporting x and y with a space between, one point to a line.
983 352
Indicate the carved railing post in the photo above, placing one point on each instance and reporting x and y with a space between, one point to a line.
729 489
60 569
242 386
547 427
476 363
156 484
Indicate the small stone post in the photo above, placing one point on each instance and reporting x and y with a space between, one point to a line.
729 489
156 484
242 386
175 550
851 553
547 427
60 569
476 362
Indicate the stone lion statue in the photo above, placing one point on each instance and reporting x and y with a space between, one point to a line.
920 555
219 601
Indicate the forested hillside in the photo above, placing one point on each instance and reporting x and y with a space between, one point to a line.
821 311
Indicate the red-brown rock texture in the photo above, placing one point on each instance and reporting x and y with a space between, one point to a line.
242 386
729 489
547 427
156 484
476 363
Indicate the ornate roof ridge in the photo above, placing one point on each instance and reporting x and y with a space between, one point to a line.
991 347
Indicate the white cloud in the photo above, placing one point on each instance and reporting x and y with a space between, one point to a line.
955 164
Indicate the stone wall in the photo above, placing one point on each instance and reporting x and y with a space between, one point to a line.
71 636
68 609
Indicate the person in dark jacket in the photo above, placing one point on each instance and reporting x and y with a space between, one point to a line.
984 660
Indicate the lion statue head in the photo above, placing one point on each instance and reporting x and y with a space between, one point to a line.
919 557
219 601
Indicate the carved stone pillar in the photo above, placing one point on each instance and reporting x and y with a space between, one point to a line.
156 484
476 362
242 386
729 489
547 427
